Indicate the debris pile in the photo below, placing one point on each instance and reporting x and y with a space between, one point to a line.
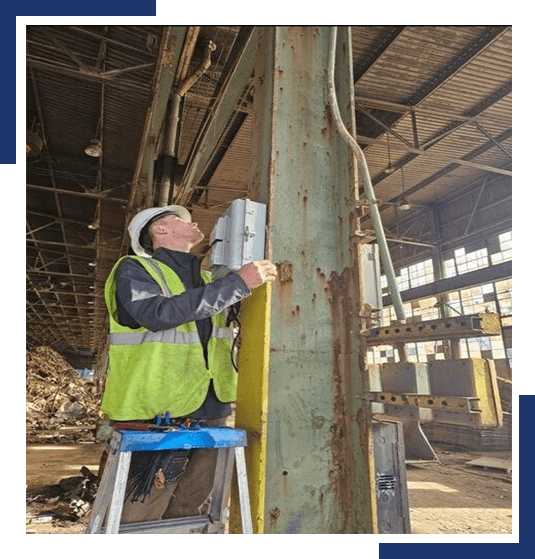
57 399
68 501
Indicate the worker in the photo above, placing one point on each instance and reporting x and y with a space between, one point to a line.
170 353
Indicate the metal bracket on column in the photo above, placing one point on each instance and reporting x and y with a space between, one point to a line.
469 326
447 403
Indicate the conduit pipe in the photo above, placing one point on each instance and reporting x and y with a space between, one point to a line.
173 121
368 188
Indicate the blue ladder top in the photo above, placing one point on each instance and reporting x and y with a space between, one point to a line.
181 438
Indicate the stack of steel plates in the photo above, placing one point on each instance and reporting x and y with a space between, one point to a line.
466 437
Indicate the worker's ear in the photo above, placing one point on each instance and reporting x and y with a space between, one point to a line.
159 229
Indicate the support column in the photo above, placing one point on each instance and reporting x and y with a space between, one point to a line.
318 463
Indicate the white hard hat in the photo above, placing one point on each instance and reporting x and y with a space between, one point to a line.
147 216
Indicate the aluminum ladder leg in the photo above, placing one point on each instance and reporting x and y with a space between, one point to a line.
229 443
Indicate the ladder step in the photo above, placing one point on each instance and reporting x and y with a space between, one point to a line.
209 437
190 525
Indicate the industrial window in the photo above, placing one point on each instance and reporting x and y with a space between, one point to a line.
506 248
472 261
414 275
419 273
425 309
382 354
486 347
489 297
504 290
463 262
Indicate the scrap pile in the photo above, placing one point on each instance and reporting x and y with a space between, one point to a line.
68 501
57 399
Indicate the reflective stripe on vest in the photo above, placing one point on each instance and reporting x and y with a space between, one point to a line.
157 269
170 336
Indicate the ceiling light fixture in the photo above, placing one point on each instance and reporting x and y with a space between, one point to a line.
92 263
95 224
94 148
34 144
404 203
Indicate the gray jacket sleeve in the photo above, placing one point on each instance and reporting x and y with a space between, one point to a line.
141 303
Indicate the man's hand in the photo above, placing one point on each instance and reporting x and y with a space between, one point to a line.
257 273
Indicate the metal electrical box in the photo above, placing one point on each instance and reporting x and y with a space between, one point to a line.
371 275
393 516
239 235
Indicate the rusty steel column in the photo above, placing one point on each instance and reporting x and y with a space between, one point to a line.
318 464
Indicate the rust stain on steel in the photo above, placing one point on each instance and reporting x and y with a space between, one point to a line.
168 56
343 472
274 515
285 271
285 283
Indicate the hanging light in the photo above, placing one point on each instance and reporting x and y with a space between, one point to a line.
34 144
95 224
94 148
404 203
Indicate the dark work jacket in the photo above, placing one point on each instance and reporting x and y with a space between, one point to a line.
141 303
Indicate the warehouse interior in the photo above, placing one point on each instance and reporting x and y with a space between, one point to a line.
121 118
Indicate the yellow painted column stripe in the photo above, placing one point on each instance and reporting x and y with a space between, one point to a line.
252 402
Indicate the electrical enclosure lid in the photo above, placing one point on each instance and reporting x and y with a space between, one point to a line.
239 235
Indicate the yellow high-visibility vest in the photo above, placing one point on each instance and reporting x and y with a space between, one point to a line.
151 373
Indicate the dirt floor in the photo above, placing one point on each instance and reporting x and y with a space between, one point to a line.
46 466
448 497
451 497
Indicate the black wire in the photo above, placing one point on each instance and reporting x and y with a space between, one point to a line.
234 317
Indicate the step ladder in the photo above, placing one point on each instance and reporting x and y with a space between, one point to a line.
229 443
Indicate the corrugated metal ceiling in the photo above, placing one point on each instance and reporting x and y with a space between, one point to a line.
452 84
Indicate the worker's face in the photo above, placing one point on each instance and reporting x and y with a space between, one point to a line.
179 230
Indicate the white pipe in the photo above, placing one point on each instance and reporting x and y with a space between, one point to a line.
368 188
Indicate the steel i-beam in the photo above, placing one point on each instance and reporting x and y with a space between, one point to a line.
313 471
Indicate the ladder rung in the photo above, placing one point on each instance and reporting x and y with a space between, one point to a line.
189 525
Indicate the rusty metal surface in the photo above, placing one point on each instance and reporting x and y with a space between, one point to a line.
454 391
482 324
318 475
435 402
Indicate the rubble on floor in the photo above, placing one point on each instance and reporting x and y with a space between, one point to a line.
60 405
67 502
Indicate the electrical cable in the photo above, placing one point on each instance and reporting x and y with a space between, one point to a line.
234 317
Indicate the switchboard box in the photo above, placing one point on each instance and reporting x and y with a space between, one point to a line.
371 275
393 514
239 235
